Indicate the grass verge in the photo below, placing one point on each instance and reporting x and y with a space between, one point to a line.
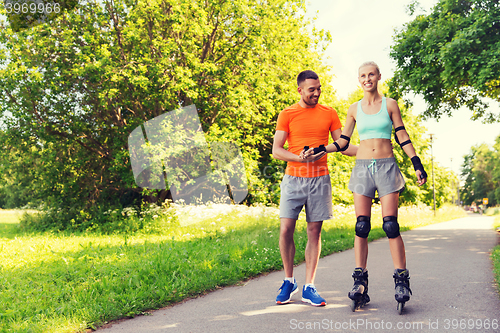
495 254
55 282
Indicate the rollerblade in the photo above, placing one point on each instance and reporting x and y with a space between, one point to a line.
402 288
359 292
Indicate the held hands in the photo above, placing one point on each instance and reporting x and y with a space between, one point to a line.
312 154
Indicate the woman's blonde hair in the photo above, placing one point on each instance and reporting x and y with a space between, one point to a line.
369 63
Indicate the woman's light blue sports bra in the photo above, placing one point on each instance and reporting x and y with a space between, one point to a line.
374 126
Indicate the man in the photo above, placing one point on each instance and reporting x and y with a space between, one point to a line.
306 181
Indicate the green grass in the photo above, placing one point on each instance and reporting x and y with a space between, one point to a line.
495 254
495 257
56 282
9 222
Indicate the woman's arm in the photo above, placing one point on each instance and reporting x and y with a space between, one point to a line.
404 141
341 139
351 150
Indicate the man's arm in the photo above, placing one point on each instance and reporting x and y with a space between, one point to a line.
281 153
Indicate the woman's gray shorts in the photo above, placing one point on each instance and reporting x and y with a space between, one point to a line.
382 175
315 193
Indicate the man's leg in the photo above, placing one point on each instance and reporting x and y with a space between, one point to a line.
318 208
287 250
287 245
313 249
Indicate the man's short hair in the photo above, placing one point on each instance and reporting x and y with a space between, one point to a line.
306 75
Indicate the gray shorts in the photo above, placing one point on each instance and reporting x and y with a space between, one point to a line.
314 193
382 175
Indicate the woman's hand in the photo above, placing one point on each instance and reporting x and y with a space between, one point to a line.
420 179
309 156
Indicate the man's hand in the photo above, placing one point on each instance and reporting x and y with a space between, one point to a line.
308 155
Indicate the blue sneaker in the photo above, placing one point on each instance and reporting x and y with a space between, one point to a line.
287 291
310 295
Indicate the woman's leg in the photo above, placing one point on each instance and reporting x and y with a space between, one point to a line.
389 204
362 207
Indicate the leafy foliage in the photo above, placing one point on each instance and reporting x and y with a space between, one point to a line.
481 175
451 57
17 186
73 90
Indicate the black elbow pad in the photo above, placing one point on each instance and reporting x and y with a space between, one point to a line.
347 145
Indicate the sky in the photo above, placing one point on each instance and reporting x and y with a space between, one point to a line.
362 30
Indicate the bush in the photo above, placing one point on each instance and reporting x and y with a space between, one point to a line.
490 211
148 219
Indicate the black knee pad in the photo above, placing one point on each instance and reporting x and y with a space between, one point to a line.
363 226
391 226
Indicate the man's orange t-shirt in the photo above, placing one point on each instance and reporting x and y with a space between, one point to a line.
307 127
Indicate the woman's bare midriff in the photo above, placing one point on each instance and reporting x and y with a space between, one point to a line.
374 148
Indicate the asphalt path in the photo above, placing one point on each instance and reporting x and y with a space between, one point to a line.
451 279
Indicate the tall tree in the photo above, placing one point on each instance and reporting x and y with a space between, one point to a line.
451 57
78 85
481 174
496 171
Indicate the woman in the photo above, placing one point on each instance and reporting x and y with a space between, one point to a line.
376 170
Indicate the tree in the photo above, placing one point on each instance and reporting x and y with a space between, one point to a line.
79 85
451 57
466 192
496 172
481 174
17 183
